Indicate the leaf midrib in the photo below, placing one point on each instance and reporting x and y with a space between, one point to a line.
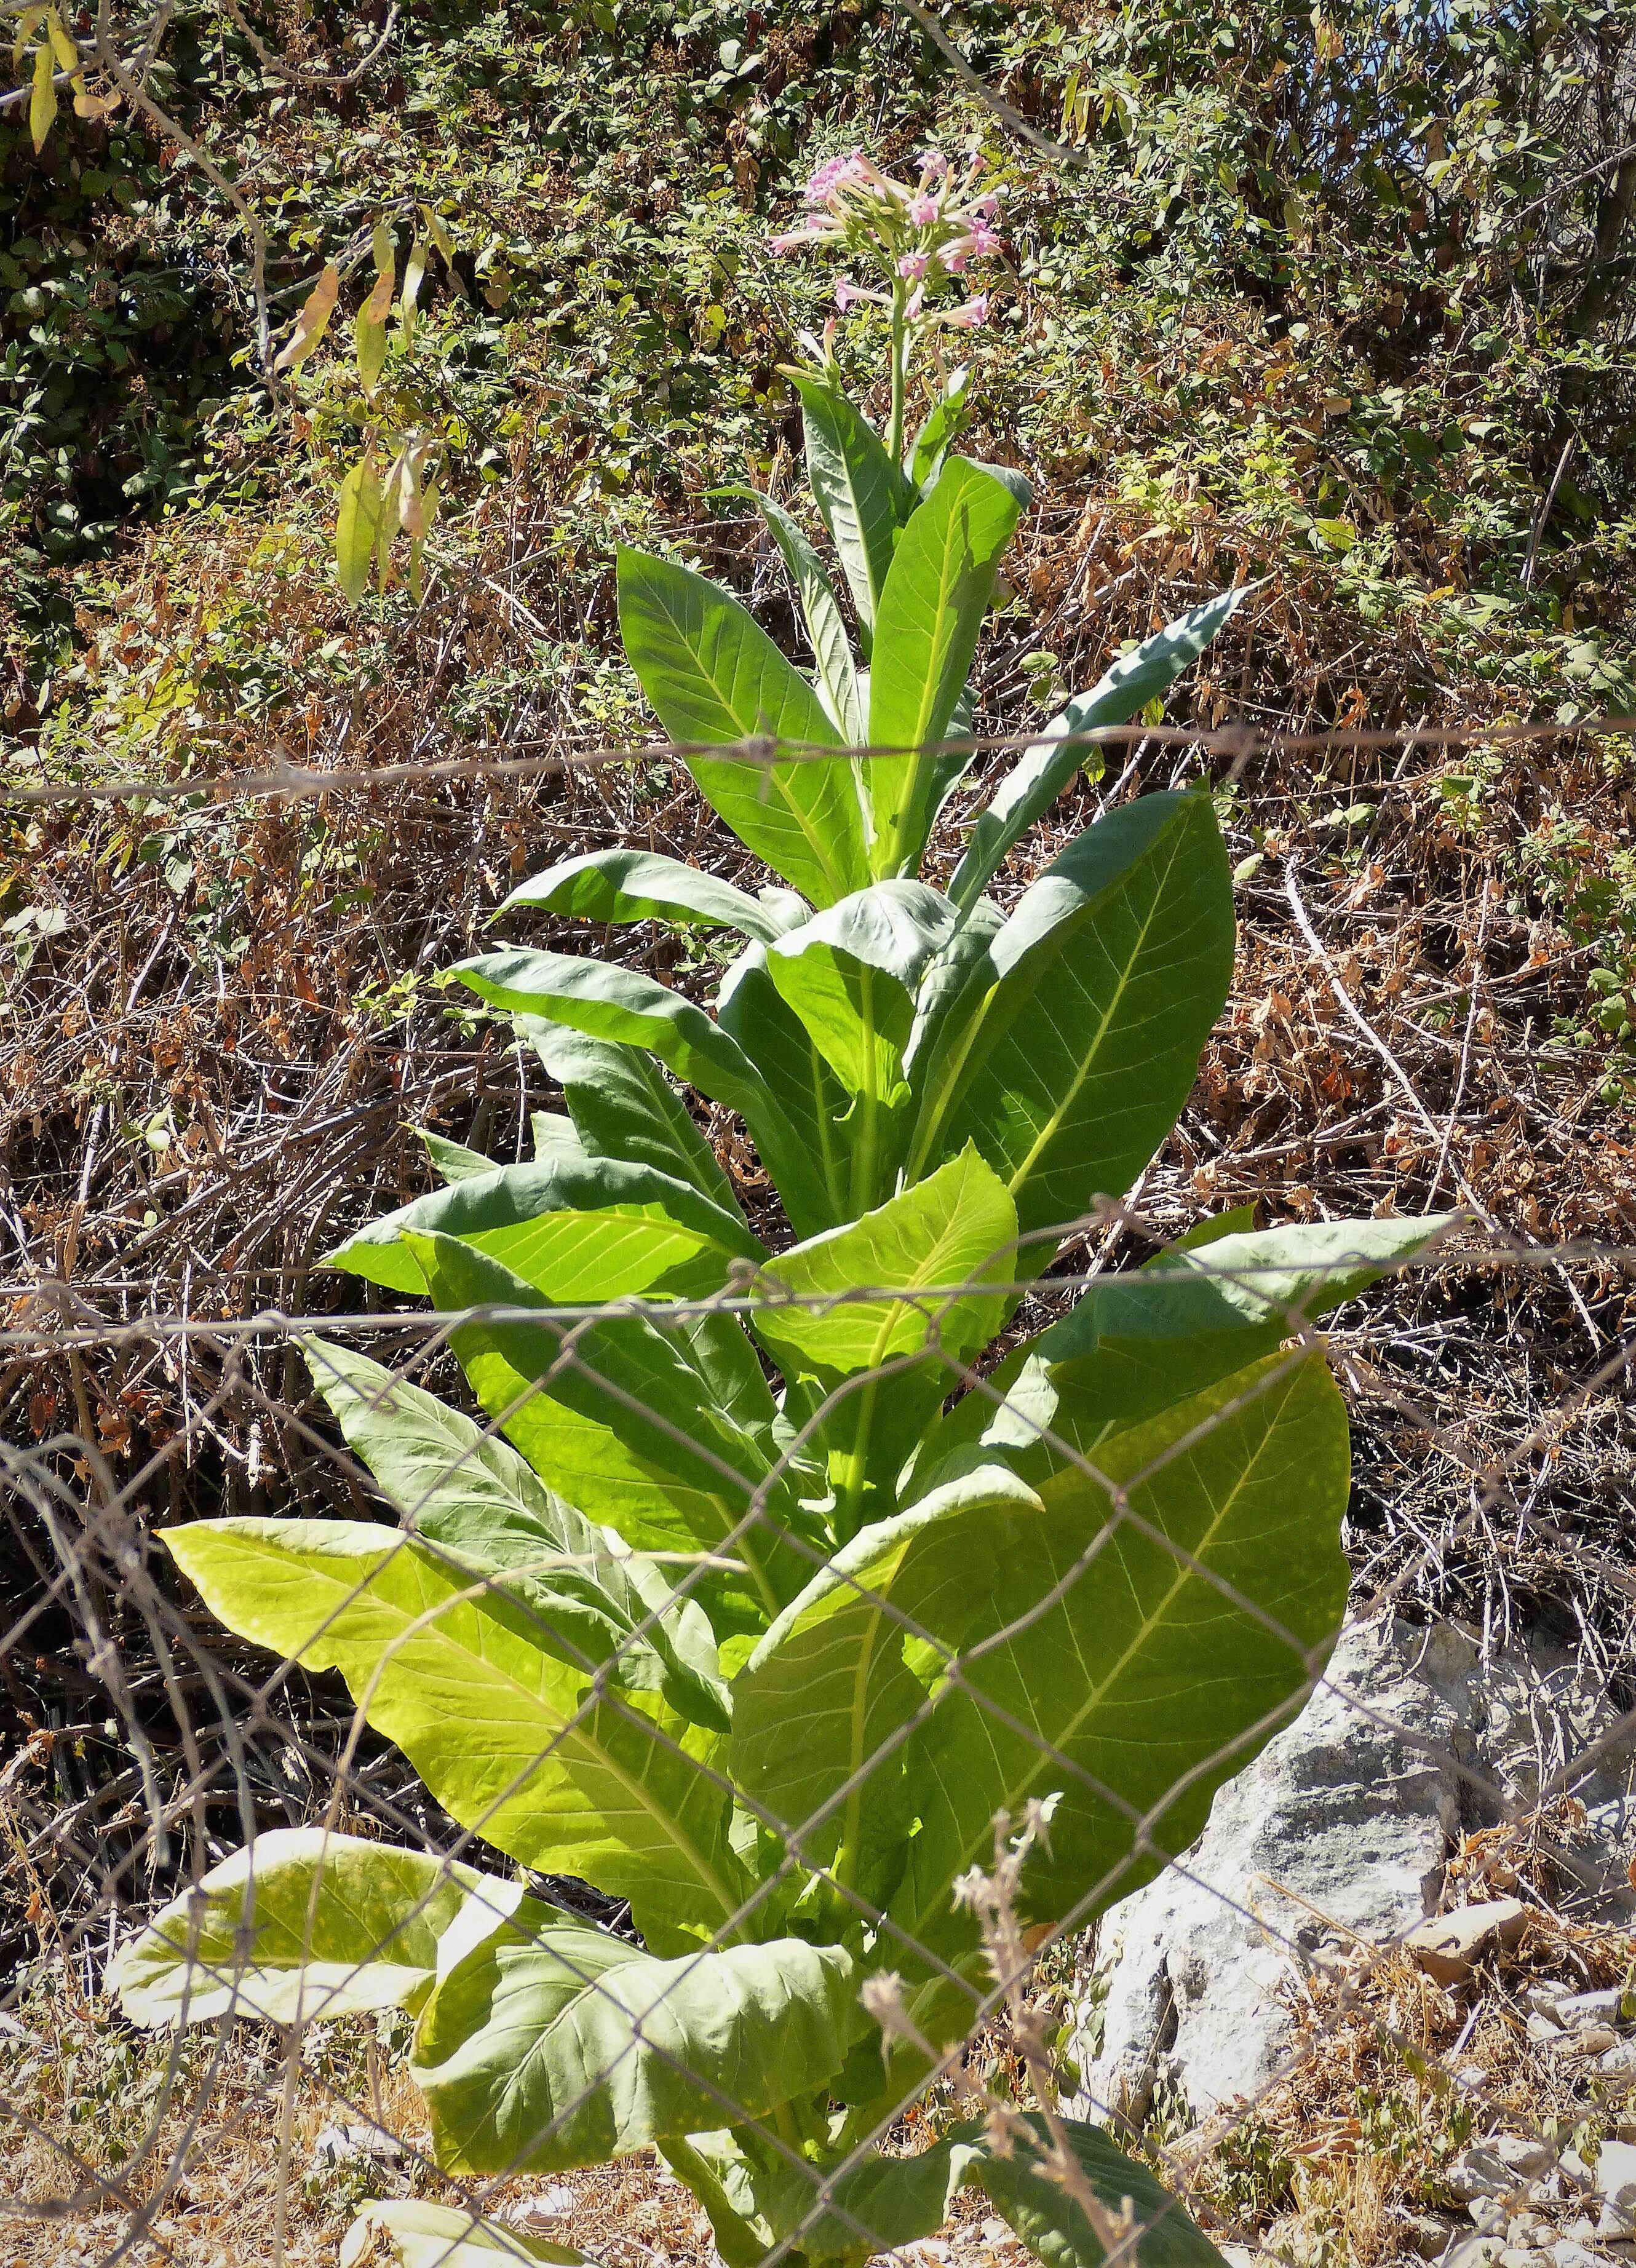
571 1726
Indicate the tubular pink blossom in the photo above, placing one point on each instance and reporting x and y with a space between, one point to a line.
934 166
916 300
986 206
913 266
835 173
922 211
792 242
970 316
851 295
983 242
954 256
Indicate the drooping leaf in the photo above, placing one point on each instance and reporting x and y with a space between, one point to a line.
42 97
1075 1040
860 494
507 1737
631 886
465 1492
304 1926
930 610
622 1006
628 1008
1142 1632
714 675
623 1105
565 2046
1045 769
573 1226
369 330
360 518
833 2214
832 648
418 2234
453 1161
313 321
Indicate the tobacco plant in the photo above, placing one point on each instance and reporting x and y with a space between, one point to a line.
759 1592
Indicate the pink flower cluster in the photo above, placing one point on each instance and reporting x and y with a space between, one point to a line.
919 234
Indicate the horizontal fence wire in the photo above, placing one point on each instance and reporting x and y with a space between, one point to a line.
1239 740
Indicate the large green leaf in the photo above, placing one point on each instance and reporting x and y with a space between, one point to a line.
606 1002
629 886
622 1006
422 2235
860 493
851 973
513 1742
714 675
939 431
1135 1342
1046 768
306 1926
623 1105
817 1708
832 648
933 1246
624 1420
932 608
1137 1645
560 2047
812 1169
848 2212
464 1491
573 1226
1077 1037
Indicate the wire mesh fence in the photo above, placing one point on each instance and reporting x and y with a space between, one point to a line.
510 1837
845 1752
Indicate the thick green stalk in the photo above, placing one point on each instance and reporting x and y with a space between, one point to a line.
900 371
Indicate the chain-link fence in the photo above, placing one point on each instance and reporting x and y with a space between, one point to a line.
1113 1741
836 1824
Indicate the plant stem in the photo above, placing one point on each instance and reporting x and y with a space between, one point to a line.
900 371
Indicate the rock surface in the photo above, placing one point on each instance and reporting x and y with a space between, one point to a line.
1339 1830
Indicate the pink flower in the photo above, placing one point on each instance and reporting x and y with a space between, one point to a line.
797 237
934 166
915 302
835 173
912 267
983 243
986 206
851 295
955 256
922 211
970 315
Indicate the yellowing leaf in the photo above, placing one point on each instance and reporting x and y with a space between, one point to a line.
439 235
414 273
313 321
371 331
67 54
43 101
381 245
357 526
27 24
